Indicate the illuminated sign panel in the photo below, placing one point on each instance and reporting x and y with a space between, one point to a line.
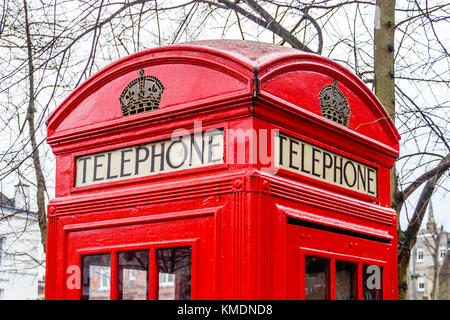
175 154
311 161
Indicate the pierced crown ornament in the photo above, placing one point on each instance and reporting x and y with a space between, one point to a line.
141 95
334 104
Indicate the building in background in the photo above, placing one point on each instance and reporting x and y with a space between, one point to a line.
429 259
21 254
444 278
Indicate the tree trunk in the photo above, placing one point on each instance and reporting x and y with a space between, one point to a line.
434 290
384 83
404 256
40 181
384 55
384 63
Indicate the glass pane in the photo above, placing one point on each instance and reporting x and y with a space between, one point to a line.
317 278
372 282
174 273
346 280
96 277
133 275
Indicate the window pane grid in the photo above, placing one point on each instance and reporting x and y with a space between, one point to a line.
174 269
325 274
346 275
96 277
317 278
133 273
133 268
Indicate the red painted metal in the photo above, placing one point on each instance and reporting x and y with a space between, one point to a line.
233 215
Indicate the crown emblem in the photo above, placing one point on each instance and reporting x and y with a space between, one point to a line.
141 95
334 104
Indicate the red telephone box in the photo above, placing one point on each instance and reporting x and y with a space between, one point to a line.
222 170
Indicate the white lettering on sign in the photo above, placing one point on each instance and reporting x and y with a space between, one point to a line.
178 153
311 161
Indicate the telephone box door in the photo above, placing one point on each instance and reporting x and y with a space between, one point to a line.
326 263
148 257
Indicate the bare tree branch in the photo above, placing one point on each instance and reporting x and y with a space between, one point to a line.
401 196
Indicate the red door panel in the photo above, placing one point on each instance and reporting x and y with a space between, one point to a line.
331 265
154 260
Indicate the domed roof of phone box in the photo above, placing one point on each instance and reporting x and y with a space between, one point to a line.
221 72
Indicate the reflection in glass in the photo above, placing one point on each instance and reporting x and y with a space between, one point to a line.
346 280
317 278
96 277
174 273
372 282
133 275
